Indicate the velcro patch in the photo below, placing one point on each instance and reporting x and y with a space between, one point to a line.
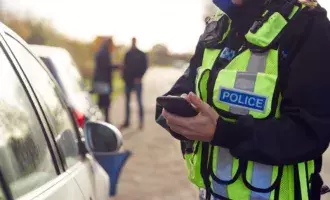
239 98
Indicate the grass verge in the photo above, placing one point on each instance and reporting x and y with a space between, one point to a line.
117 82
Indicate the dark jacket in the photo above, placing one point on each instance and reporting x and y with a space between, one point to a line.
302 132
136 64
103 66
103 71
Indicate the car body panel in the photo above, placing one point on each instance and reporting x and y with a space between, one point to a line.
92 177
64 187
84 180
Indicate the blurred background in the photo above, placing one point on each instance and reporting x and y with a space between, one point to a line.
167 30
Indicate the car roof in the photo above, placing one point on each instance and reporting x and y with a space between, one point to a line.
49 51
4 28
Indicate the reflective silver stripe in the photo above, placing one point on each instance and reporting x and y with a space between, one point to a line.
202 194
224 171
246 80
258 198
261 178
262 174
213 198
257 62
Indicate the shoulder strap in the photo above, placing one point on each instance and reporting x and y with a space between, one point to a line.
268 30
209 57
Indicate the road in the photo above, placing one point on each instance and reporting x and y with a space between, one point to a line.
326 172
156 170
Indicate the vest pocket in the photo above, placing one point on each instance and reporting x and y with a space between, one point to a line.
193 164
262 179
242 93
224 170
232 178
201 82
247 86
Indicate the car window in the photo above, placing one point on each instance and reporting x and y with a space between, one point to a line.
51 67
75 71
49 64
25 158
2 195
2 189
46 90
68 73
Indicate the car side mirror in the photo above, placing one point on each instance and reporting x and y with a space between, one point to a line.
101 137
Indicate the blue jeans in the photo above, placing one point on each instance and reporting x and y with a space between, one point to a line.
128 90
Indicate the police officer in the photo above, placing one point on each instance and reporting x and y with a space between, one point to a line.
260 82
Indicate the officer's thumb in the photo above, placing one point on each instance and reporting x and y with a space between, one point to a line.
204 108
198 103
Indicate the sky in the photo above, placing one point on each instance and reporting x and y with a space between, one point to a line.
176 23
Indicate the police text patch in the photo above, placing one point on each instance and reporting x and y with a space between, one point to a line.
243 99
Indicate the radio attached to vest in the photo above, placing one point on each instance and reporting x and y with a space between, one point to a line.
216 30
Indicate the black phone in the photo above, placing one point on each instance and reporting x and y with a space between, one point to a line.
177 105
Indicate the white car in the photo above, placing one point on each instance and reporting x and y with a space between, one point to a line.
62 66
42 153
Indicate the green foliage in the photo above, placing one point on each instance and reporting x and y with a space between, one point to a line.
160 56
40 32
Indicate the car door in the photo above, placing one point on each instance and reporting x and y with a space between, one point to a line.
90 177
63 185
28 165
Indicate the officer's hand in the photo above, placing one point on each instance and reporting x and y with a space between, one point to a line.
200 127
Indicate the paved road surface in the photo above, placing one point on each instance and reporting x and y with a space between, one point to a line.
326 172
156 170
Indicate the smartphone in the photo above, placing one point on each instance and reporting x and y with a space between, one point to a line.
177 105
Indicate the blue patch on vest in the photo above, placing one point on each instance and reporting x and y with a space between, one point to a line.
227 54
284 54
243 99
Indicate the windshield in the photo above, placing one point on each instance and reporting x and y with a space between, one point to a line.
66 73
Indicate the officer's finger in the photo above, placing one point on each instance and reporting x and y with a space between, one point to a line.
174 119
179 130
189 134
184 95
195 101
203 107
167 115
198 103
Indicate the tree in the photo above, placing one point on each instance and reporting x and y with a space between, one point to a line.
159 55
209 9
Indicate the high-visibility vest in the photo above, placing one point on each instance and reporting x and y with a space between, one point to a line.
246 86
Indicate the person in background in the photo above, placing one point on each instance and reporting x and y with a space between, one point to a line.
102 82
135 66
